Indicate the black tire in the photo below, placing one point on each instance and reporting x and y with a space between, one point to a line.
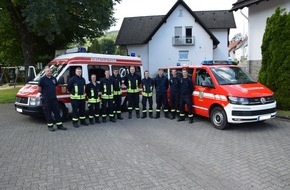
218 118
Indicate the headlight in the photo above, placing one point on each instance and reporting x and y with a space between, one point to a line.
34 101
238 100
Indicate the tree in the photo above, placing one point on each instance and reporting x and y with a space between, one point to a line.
275 70
106 45
54 23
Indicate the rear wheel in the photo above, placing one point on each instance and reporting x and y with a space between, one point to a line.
218 118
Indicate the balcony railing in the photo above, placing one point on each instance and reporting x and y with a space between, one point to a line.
183 41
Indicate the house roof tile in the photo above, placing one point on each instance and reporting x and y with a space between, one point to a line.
244 3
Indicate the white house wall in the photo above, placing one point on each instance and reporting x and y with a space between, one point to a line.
221 52
258 15
163 53
142 51
160 53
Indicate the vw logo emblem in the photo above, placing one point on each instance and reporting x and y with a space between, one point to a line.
263 100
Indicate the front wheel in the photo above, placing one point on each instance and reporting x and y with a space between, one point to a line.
218 118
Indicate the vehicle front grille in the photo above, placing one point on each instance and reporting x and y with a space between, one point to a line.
253 113
259 101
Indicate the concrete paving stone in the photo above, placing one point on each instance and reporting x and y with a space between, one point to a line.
143 154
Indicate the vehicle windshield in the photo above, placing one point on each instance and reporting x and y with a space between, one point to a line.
231 75
56 69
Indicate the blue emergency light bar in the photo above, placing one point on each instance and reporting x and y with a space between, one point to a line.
217 62
76 50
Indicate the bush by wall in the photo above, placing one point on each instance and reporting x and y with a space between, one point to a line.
275 70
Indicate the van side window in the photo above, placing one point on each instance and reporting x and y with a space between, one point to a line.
98 70
124 70
202 76
189 73
64 78
70 71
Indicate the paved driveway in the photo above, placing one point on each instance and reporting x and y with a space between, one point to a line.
143 154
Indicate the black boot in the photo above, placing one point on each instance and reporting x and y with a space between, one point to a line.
97 120
191 120
144 115
157 115
91 121
181 118
150 114
167 115
84 122
130 114
112 119
104 119
61 127
137 114
50 128
76 124
119 116
172 115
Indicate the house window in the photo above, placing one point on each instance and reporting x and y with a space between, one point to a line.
188 31
178 32
183 55
188 35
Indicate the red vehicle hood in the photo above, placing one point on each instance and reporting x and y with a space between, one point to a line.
28 90
247 90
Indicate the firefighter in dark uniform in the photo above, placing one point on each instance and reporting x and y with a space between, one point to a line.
132 81
92 91
107 89
147 94
161 86
46 87
76 87
117 93
186 89
174 83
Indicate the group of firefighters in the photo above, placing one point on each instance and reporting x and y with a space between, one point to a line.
110 88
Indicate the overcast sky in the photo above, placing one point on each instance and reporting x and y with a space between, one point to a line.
131 8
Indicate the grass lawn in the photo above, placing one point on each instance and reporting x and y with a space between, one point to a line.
283 113
8 95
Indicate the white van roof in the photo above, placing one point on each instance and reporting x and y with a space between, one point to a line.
94 55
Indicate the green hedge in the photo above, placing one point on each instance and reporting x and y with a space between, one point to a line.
275 70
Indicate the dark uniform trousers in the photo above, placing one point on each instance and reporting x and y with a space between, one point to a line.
78 109
110 103
161 99
144 102
94 111
133 102
50 105
118 101
185 100
174 103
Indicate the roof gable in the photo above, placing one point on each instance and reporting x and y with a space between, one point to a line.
244 3
139 30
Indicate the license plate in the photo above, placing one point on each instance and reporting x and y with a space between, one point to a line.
19 110
264 117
